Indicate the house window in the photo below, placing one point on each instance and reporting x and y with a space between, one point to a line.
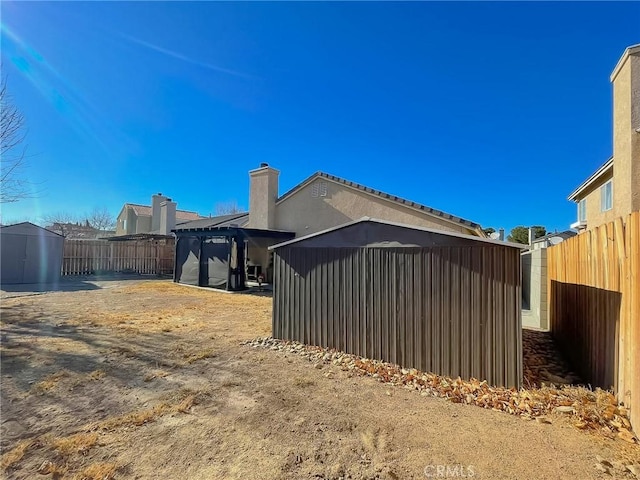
606 196
582 210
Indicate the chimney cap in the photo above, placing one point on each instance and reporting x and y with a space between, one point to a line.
264 164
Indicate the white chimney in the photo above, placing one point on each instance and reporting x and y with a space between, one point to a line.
156 200
167 217
263 193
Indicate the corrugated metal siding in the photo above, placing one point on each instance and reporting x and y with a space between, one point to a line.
447 310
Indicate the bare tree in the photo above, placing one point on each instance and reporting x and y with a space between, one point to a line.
101 219
227 208
60 222
13 186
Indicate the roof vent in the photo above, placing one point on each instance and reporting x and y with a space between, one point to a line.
159 193
264 164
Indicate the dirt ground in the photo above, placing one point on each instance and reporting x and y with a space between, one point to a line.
149 380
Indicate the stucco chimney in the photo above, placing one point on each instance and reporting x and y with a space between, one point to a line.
167 216
263 193
156 200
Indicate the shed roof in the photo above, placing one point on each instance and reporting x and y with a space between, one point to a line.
388 234
28 228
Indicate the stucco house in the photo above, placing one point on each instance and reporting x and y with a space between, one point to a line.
160 217
614 189
320 202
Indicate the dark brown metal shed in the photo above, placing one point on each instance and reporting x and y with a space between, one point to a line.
440 302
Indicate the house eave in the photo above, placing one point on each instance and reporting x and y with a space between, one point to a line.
576 195
633 49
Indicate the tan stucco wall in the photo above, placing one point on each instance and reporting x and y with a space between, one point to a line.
623 140
635 136
143 225
263 193
304 214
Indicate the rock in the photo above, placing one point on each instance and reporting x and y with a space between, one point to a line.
543 420
602 468
619 466
627 436
635 469
604 462
565 409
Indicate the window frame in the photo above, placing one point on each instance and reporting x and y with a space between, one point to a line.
582 210
604 205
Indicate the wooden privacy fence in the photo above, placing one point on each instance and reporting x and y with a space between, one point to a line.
594 306
84 257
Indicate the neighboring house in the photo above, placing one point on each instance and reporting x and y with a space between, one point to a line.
551 239
160 217
319 202
79 231
614 189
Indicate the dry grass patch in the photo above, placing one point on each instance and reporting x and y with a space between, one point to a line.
303 382
78 443
230 383
155 374
50 382
97 375
179 402
53 469
199 355
98 471
133 419
14 455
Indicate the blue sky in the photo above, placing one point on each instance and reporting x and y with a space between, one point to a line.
490 111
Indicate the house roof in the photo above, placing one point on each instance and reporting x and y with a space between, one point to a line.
475 238
386 196
145 211
564 235
215 222
576 195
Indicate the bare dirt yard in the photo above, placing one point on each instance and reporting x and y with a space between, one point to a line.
150 380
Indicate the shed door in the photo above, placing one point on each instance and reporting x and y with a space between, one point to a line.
42 260
13 254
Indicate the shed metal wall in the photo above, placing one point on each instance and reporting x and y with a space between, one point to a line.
30 254
450 310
